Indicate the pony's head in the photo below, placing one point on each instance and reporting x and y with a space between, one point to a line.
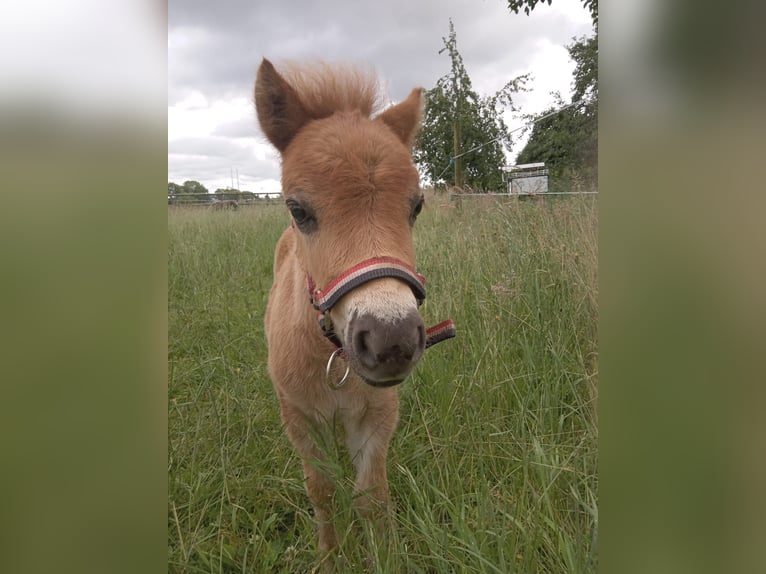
352 190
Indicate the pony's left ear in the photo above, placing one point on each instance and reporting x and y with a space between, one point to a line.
404 118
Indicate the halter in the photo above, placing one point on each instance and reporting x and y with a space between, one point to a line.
359 274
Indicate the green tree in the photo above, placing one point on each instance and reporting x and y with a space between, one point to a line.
464 135
553 140
225 193
192 186
173 190
567 140
584 53
178 193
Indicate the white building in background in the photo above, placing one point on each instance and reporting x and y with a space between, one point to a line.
527 178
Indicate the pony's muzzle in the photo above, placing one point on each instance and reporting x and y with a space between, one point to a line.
385 352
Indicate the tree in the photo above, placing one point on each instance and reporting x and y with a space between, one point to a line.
196 188
567 140
192 186
463 134
223 193
174 189
529 5
553 140
177 193
584 53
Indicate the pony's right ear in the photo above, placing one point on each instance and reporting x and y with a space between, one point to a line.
280 111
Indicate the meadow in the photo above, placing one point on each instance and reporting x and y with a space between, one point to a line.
494 465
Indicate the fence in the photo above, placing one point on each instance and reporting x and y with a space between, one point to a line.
457 198
208 199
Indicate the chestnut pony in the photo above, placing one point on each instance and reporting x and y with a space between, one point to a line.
352 190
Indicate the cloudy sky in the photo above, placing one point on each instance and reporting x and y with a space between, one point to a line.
214 49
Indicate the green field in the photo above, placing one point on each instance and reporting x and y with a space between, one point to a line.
494 466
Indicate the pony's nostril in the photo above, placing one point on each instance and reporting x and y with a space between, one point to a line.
361 344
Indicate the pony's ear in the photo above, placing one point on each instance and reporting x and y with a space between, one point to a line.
405 118
279 108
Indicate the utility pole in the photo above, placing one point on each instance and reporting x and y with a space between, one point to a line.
456 153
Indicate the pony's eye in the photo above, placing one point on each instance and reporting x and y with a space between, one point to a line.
299 214
303 218
418 207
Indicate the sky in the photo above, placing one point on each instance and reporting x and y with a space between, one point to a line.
214 49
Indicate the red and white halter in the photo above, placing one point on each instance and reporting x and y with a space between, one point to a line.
361 273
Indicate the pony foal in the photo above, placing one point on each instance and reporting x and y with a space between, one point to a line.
352 191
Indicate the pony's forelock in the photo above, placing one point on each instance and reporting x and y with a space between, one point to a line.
325 88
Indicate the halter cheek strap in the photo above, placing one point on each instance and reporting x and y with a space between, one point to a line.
364 272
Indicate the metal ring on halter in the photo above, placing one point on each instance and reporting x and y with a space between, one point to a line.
342 382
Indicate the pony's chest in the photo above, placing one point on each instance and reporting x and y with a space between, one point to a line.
340 405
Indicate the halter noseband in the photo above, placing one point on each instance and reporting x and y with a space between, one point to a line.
364 272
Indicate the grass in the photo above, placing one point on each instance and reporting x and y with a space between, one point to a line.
493 467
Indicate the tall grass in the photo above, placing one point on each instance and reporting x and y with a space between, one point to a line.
493 467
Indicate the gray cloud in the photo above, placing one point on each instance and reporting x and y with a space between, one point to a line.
401 38
238 129
215 47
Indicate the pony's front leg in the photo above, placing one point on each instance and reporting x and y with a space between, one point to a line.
368 439
318 485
